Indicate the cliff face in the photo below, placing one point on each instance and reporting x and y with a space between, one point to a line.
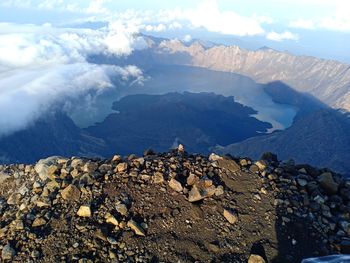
171 207
320 138
327 80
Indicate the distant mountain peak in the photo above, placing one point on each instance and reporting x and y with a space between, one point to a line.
266 48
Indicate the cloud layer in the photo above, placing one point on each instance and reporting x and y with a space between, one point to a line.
286 35
40 66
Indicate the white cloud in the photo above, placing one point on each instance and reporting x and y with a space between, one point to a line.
302 23
175 25
208 16
339 21
155 28
336 19
97 7
187 38
40 66
286 35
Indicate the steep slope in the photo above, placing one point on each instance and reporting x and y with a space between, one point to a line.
321 138
200 120
327 80
171 207
303 102
53 134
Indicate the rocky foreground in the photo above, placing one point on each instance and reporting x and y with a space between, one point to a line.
171 207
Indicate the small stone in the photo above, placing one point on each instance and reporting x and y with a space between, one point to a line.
263 191
22 207
302 170
207 183
76 245
243 162
122 209
14 199
35 254
7 252
230 165
214 157
52 185
192 179
76 162
328 184
116 158
262 165
257 196
75 173
285 219
230 216
84 211
112 240
214 248
345 226
136 228
85 179
195 195
302 182
272 177
52 171
256 259
219 190
158 178
3 177
181 148
121 167
90 167
39 221
319 199
176 185
111 220
71 193
199 192
37 184
254 168
18 224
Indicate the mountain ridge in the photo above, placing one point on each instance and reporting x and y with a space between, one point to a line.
327 80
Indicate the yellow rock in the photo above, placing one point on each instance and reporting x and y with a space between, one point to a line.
230 216
111 220
136 228
84 211
71 193
38 222
256 259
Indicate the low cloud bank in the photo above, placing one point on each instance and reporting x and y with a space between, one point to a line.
42 65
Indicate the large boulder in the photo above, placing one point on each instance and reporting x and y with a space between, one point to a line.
327 183
42 167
